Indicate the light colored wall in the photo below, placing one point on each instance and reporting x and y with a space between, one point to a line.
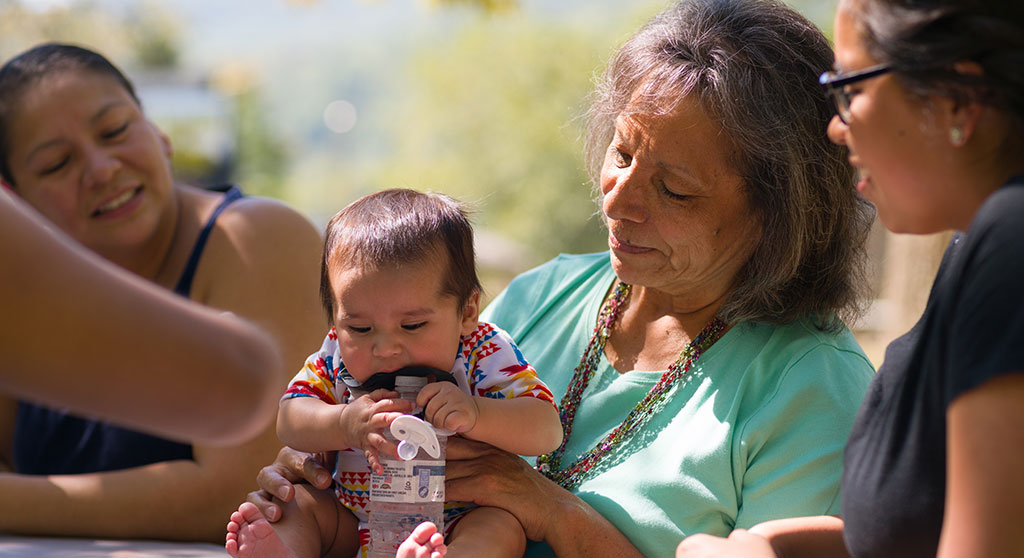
903 267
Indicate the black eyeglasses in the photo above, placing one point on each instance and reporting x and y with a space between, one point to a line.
836 84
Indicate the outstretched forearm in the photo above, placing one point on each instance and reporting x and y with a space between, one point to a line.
804 537
580 531
170 353
174 500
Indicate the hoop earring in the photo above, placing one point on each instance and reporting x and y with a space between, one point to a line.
956 136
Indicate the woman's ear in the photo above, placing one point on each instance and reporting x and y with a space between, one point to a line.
964 115
165 141
471 313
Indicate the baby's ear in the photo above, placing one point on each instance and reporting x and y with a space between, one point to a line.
471 313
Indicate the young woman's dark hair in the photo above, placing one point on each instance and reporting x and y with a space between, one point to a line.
924 41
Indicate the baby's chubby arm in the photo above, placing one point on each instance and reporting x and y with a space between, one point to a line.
521 425
313 425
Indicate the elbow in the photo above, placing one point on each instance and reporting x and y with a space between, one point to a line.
553 439
554 432
548 436
293 427
252 402
284 430
251 415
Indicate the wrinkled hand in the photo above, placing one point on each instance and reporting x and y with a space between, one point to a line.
480 473
446 406
740 544
276 480
364 420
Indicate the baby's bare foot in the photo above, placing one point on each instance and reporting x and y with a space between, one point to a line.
250 535
424 542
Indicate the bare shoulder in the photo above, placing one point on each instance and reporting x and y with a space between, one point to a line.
255 228
248 217
266 219
262 260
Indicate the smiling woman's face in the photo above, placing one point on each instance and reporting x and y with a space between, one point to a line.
84 155
678 216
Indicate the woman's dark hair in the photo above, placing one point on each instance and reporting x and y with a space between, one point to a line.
400 226
28 68
924 39
753 66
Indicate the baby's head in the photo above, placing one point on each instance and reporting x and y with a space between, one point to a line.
398 281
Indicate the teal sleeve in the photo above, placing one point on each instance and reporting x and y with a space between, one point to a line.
530 297
791 449
494 308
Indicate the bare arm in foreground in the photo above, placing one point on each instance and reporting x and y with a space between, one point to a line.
257 245
140 353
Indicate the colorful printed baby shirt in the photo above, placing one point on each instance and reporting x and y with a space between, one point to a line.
488 364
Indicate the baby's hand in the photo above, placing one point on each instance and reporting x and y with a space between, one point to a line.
364 420
446 406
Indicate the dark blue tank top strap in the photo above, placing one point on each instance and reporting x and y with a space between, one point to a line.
184 286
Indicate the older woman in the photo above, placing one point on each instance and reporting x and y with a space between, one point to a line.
706 379
930 102
75 144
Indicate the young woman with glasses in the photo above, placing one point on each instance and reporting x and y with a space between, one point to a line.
930 103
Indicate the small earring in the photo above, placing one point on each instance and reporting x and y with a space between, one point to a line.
956 136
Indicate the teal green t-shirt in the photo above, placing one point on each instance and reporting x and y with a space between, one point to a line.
755 433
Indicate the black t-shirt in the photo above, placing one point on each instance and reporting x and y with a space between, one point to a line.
972 329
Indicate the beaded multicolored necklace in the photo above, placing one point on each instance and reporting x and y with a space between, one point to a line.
550 464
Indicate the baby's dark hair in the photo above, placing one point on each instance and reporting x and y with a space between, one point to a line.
400 226
27 68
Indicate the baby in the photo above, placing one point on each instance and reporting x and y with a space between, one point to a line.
399 285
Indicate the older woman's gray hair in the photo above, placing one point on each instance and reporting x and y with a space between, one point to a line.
754 65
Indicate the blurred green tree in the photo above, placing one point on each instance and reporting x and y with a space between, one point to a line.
145 40
154 33
261 159
486 5
78 22
492 115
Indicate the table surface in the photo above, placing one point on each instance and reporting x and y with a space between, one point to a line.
55 547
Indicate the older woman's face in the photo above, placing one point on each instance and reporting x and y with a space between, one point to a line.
678 218
85 156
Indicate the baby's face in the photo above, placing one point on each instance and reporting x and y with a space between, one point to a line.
390 318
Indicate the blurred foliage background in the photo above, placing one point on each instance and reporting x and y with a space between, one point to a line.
317 102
